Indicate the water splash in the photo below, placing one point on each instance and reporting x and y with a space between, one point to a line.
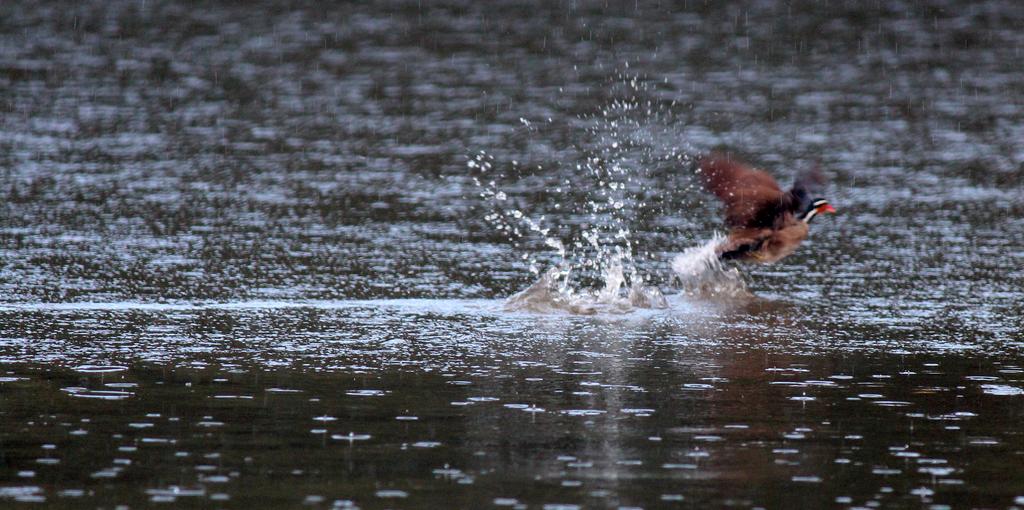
599 249
552 293
604 249
700 273
625 165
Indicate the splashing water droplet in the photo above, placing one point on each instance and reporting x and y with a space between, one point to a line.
700 273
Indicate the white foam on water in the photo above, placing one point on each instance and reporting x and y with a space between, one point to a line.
700 273
552 292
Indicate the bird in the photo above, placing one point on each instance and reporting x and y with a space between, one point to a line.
765 223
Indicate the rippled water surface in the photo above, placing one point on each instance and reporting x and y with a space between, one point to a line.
257 254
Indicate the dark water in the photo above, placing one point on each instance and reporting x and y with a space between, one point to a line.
243 261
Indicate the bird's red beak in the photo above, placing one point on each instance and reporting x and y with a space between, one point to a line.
826 208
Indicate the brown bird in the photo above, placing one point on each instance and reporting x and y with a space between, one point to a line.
765 223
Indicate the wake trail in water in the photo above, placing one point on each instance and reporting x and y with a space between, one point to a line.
697 271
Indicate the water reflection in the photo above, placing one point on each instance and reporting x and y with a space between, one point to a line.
425 402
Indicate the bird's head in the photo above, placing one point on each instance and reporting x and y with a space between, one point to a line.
818 206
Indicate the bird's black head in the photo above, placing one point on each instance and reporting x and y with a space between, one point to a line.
817 206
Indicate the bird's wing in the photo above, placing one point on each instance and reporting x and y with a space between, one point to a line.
752 198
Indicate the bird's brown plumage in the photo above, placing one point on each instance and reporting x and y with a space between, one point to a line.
752 198
762 219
